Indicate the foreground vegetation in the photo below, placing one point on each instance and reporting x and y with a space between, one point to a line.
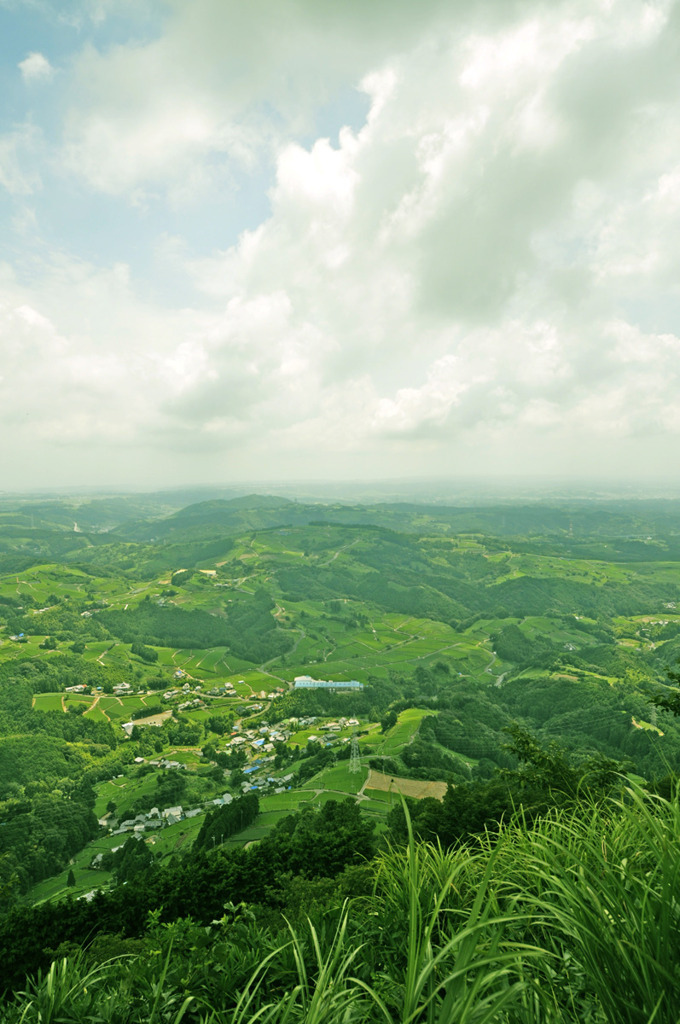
572 919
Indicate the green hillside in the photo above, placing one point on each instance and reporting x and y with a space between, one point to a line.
508 658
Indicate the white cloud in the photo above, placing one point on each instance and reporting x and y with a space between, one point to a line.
36 68
72 359
223 81
19 174
428 263
482 275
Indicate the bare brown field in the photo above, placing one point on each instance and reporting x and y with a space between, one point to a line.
417 788
154 719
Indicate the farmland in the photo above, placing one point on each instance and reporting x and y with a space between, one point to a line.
160 657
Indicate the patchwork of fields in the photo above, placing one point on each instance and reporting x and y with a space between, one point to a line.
196 632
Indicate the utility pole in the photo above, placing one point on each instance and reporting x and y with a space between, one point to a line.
354 761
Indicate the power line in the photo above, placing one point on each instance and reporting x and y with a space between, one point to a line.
354 760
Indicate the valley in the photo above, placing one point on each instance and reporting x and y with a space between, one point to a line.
169 648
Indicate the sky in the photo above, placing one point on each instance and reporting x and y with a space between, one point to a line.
338 239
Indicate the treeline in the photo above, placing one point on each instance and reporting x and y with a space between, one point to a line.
47 675
247 628
46 805
309 845
18 716
37 837
223 822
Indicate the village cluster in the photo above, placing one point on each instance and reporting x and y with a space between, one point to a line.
259 744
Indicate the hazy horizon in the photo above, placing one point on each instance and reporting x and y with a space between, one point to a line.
462 492
321 242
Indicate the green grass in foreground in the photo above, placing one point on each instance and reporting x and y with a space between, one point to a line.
464 935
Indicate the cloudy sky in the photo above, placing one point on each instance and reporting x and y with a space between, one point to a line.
327 239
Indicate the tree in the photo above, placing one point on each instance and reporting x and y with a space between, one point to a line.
71 880
145 653
669 701
388 720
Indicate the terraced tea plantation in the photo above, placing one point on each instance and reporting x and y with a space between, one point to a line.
148 671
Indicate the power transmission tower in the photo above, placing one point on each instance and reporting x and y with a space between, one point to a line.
354 761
